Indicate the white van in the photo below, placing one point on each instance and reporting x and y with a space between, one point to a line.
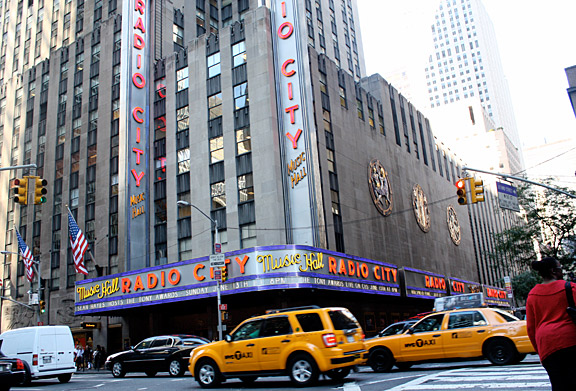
48 351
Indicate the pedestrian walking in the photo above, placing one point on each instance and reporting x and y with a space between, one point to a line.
79 356
550 328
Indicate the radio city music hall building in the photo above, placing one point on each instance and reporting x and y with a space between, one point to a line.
328 187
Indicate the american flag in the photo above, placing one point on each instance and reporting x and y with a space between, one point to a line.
79 244
26 256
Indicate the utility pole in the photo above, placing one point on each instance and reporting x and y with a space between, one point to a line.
521 180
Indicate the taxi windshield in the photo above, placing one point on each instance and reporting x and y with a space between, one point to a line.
508 317
343 320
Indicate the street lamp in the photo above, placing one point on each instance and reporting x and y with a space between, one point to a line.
182 203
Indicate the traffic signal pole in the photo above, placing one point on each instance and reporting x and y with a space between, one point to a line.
521 180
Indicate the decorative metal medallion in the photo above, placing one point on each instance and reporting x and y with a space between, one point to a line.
380 188
453 225
420 206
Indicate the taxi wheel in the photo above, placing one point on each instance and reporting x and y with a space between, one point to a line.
381 360
65 377
118 369
303 370
338 374
501 352
207 374
175 368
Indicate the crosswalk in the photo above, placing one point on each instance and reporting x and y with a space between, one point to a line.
531 377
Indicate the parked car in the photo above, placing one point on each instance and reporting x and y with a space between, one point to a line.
396 328
47 350
165 353
12 372
300 342
455 334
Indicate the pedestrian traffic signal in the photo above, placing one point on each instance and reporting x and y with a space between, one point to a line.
40 190
42 305
224 315
224 274
476 190
461 191
21 191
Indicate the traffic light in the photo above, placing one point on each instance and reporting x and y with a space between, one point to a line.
461 191
40 190
42 305
224 274
224 315
476 190
21 191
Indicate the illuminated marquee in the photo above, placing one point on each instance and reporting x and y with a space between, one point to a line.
423 284
256 269
135 124
293 128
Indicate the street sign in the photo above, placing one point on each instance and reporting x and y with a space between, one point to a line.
507 196
223 307
217 274
217 248
217 260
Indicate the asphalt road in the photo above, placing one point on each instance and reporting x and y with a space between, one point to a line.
471 375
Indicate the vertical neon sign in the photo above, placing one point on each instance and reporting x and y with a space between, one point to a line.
135 125
293 125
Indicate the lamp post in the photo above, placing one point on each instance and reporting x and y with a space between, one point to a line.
182 203
35 265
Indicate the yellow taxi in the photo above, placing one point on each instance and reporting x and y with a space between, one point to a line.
460 333
299 342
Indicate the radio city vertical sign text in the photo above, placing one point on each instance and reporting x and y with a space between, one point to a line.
292 123
135 127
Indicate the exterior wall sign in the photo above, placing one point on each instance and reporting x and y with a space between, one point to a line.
293 126
380 188
453 225
420 207
255 269
422 284
462 287
135 126
495 296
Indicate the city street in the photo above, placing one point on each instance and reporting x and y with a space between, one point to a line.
471 375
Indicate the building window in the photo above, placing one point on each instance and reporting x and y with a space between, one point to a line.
248 235
360 108
239 54
185 249
343 102
182 79
243 141
216 149
371 117
241 95
183 160
330 157
214 65
215 105
178 35
218 195
245 188
182 118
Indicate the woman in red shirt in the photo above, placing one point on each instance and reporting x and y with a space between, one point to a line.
549 326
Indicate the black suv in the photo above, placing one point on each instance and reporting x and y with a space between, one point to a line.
166 353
